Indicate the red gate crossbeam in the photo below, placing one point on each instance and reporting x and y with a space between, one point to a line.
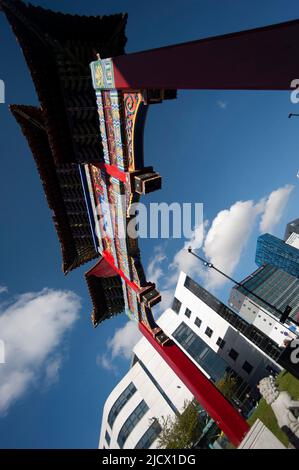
206 393
110 260
258 59
112 170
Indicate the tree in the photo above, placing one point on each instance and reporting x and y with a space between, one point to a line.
228 385
182 431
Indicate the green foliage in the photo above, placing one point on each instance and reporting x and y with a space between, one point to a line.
227 385
181 432
285 381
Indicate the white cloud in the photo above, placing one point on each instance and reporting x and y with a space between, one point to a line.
183 261
120 345
124 340
106 363
3 289
32 327
223 243
221 104
52 370
274 207
166 301
154 270
227 238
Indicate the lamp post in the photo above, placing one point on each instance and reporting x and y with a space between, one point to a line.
283 315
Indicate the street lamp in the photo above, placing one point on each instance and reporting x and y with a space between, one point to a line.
283 315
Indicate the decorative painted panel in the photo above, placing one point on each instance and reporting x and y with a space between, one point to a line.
103 126
118 210
99 234
118 123
122 117
109 127
132 101
100 190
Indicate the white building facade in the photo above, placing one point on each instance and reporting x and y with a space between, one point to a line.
197 310
264 320
150 389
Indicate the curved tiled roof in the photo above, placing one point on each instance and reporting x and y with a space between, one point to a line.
106 293
75 251
58 49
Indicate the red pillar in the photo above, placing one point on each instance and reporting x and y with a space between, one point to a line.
258 59
210 398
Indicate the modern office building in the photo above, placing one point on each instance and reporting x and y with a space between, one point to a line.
293 240
272 250
291 235
149 390
292 227
199 324
276 287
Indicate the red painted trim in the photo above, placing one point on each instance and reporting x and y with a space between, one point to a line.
257 59
113 171
211 399
101 269
110 260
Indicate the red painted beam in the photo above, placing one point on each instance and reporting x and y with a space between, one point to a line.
113 171
258 59
110 260
210 398
101 269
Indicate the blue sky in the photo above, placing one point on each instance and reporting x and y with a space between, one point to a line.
218 148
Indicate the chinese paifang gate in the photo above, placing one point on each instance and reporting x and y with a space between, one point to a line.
87 141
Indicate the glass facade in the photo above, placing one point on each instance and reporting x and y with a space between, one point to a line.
149 436
120 403
272 250
131 422
276 286
107 437
208 359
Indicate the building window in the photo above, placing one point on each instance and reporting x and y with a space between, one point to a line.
220 342
209 332
258 338
208 359
233 354
188 313
120 403
107 437
176 305
247 367
149 436
197 322
156 384
131 422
